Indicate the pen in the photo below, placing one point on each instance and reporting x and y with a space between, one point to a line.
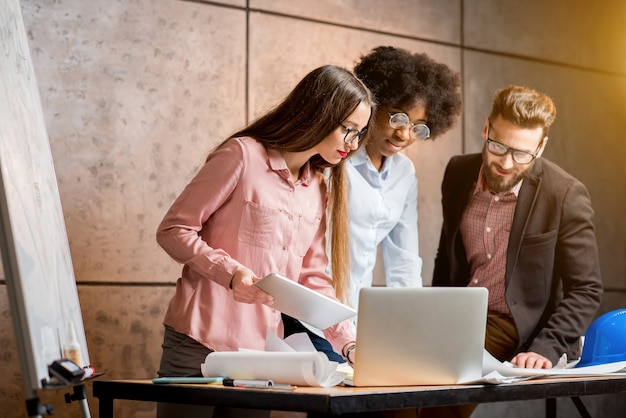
248 383
282 386
260 384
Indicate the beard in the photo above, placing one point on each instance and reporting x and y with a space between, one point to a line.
498 183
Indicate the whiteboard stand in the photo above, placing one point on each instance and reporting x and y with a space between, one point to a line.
33 240
80 395
36 409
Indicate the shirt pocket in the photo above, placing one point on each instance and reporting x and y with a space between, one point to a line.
536 267
258 225
544 239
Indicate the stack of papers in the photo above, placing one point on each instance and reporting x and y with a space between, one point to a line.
497 372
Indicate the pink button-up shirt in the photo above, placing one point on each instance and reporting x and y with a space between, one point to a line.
242 210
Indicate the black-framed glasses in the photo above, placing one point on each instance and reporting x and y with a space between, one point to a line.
401 120
352 134
520 157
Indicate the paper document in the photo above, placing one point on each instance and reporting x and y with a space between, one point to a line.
294 368
303 303
293 361
495 371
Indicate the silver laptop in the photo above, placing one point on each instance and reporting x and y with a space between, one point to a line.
420 336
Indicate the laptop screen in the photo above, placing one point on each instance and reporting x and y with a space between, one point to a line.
420 336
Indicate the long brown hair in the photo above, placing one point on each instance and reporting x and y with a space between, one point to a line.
318 104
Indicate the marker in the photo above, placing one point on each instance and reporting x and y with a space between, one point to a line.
248 383
89 371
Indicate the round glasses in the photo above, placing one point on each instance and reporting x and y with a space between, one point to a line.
401 120
352 134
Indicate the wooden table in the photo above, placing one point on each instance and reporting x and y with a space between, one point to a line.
345 400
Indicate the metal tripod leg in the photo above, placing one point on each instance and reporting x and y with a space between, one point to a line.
80 395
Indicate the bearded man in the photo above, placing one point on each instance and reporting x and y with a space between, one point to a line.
522 227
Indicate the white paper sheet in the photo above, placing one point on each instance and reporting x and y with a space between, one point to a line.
496 372
303 303
293 361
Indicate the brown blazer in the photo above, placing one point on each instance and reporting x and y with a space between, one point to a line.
552 280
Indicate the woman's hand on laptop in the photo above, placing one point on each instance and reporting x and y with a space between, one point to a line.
531 360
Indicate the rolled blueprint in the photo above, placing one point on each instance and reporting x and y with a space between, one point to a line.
294 368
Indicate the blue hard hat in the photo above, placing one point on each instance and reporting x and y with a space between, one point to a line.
605 340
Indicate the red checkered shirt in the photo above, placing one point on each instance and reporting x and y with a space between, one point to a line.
485 229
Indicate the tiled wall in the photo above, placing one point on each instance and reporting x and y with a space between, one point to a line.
135 93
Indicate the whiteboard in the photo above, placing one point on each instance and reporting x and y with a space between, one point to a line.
35 250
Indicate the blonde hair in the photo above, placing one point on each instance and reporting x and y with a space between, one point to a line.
525 107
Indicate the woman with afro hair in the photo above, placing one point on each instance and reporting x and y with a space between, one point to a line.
418 99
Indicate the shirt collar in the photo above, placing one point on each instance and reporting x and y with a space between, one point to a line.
277 163
360 157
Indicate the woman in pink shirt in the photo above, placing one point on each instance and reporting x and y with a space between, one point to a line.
258 206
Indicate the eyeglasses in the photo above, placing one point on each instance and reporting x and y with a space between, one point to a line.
520 157
401 120
352 134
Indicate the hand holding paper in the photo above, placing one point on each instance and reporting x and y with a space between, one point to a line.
303 303
495 371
